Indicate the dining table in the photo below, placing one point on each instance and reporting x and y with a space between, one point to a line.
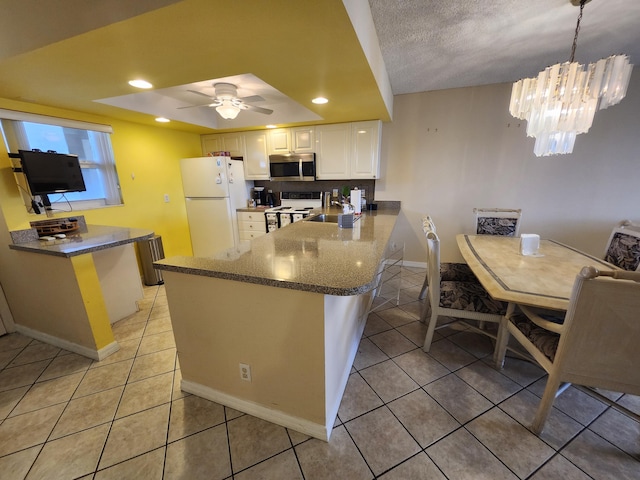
544 279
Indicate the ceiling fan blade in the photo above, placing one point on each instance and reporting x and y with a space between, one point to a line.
201 94
252 99
194 106
212 103
253 108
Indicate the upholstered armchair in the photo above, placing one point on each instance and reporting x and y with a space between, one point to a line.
594 345
623 247
460 300
449 271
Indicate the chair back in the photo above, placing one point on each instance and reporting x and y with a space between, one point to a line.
433 266
498 221
623 247
427 224
599 343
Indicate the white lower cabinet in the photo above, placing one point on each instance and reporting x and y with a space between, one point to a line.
251 225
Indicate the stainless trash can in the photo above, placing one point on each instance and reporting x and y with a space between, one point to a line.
150 251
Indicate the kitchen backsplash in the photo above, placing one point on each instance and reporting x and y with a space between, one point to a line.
319 186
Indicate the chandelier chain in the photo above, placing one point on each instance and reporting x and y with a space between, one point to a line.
575 38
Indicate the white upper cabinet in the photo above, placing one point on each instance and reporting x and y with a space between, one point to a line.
365 153
291 140
343 150
256 160
224 142
279 141
333 151
234 143
212 143
348 150
303 139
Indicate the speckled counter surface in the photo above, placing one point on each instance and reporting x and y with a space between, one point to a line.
252 209
309 256
97 237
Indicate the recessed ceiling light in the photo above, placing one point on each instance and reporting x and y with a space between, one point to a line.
162 120
140 83
320 100
271 126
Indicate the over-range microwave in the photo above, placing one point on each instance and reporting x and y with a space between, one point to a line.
293 167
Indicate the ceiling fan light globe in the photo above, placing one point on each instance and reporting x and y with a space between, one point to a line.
228 112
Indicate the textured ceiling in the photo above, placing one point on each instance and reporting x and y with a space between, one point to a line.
437 44
71 53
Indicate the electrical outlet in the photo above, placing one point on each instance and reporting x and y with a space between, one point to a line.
245 372
166 198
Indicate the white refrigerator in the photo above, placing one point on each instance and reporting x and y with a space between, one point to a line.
214 187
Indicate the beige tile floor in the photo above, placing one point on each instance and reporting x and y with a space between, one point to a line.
405 414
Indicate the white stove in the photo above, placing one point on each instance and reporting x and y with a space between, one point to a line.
294 206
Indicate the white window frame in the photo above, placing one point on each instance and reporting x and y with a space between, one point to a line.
16 138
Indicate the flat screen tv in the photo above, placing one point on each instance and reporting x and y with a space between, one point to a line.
49 172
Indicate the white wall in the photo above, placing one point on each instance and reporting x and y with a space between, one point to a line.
449 151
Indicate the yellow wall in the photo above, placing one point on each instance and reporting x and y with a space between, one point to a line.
150 154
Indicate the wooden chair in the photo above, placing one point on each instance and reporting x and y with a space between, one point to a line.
623 247
498 221
595 346
449 271
458 299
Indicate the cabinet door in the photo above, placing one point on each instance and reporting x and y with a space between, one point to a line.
365 155
333 151
256 161
279 141
212 143
234 143
302 139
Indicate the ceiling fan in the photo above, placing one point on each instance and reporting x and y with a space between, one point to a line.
228 104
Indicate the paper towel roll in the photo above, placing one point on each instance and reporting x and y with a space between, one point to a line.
356 201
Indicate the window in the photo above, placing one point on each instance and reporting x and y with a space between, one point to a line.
91 143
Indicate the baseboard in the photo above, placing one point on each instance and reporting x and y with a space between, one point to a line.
70 346
315 430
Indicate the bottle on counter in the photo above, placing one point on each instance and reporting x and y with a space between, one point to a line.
356 201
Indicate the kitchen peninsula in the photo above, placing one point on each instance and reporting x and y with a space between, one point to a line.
272 330
71 289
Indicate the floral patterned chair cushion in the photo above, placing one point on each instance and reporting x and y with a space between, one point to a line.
624 251
544 340
497 226
456 272
469 296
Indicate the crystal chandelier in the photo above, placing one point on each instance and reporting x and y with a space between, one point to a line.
561 102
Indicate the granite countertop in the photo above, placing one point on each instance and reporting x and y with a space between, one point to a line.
310 256
96 237
252 209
